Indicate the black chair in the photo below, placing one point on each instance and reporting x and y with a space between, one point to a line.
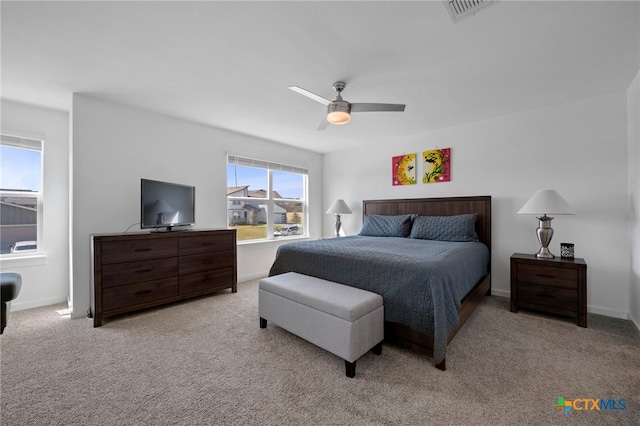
10 286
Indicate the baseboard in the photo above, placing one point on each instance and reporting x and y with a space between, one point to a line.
634 325
500 293
37 303
251 277
608 312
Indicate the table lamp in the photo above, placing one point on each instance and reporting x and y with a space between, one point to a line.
337 208
544 202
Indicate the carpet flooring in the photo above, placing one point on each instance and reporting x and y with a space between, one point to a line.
207 362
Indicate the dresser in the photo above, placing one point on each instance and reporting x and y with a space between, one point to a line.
557 286
140 270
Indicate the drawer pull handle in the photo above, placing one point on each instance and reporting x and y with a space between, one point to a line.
547 296
142 249
143 271
545 276
142 292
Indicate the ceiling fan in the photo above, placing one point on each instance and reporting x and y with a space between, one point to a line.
339 111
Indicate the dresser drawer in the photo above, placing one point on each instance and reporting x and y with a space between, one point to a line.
140 293
205 262
138 249
206 243
545 296
549 276
131 272
212 280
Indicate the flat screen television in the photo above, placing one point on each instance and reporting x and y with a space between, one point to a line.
165 204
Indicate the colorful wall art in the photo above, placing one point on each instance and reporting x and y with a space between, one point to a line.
436 165
404 169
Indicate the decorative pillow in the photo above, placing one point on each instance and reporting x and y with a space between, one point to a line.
445 228
386 226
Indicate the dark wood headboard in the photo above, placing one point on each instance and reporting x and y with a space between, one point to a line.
446 206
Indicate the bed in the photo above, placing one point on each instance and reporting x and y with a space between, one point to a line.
426 302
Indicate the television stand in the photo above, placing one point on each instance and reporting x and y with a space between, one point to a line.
140 270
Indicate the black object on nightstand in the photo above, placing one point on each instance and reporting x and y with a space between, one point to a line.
557 286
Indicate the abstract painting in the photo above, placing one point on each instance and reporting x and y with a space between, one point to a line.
437 165
404 169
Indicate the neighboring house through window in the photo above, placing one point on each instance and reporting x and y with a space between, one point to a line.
265 200
20 196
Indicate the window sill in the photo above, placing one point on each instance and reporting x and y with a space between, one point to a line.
20 261
274 240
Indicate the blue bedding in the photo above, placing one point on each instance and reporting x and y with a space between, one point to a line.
422 282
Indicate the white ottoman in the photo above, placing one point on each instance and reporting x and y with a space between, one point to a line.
346 321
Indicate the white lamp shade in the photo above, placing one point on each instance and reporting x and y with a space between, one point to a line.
547 201
339 207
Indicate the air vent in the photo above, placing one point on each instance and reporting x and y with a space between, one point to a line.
459 9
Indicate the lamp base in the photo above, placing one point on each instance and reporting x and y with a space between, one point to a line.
544 253
338 225
545 233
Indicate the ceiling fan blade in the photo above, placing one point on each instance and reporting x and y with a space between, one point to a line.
311 95
359 107
323 124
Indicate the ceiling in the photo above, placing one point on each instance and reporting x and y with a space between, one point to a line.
228 64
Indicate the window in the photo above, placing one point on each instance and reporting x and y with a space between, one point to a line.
20 196
266 200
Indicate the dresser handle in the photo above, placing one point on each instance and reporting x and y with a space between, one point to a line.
143 271
548 296
141 292
545 276
142 249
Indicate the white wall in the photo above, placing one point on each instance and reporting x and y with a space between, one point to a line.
578 148
114 146
633 135
45 280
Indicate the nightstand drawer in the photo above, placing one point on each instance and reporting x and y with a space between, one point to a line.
546 296
548 276
557 286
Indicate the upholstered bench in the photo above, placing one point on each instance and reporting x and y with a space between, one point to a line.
346 321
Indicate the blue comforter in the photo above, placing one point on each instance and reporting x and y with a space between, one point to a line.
422 282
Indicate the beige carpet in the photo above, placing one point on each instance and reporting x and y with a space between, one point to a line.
206 361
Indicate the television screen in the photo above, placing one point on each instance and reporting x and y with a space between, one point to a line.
164 204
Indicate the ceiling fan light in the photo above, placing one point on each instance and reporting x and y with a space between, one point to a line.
338 117
339 112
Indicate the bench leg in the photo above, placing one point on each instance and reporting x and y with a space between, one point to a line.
377 349
442 365
351 368
263 323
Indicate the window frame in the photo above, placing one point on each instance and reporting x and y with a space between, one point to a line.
34 144
270 201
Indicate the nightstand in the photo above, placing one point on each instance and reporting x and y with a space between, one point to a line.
557 286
